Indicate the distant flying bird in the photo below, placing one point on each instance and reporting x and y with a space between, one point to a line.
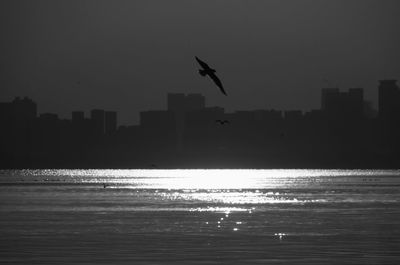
222 122
211 73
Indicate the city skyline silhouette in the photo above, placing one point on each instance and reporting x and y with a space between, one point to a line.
345 132
126 56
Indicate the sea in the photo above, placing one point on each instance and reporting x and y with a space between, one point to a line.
200 216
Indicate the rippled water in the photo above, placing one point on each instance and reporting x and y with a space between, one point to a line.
200 216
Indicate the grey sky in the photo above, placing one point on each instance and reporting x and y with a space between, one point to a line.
126 55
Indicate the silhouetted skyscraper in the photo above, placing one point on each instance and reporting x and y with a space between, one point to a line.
356 101
327 94
97 116
389 99
5 113
180 105
110 122
24 111
345 105
204 117
176 102
78 116
194 102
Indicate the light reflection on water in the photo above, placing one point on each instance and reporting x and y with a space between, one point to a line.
180 189
204 179
245 197
222 186
211 214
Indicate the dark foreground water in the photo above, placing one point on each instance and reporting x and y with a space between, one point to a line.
199 217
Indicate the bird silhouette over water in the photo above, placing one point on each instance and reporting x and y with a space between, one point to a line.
211 73
222 122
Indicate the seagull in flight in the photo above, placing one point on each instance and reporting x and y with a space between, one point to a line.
211 73
222 122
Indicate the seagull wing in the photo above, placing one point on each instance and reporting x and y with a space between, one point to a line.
218 83
202 64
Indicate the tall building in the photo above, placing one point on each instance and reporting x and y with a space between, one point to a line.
326 95
204 117
24 111
176 102
78 116
349 104
389 99
110 122
356 102
97 116
194 102
181 107
5 112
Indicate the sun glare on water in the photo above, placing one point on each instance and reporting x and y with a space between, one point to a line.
204 179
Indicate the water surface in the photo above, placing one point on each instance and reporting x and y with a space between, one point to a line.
200 216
